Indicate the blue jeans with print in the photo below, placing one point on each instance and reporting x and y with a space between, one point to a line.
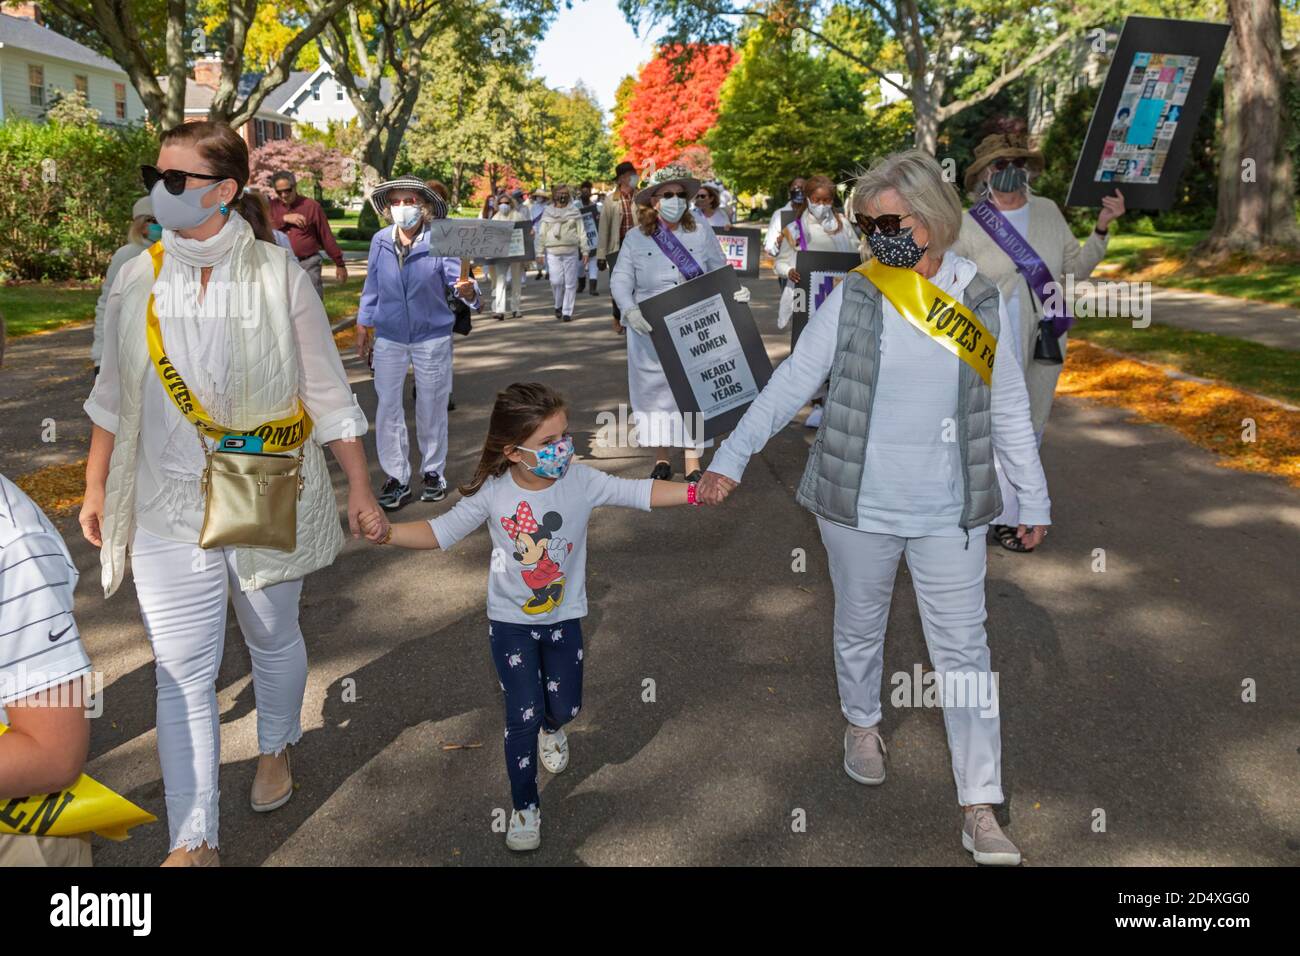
540 667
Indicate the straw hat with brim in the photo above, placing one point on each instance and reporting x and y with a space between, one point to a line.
1002 146
674 173
379 198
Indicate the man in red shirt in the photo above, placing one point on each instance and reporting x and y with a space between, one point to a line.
303 221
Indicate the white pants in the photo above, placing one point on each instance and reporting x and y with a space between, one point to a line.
593 270
184 592
507 280
948 575
431 360
563 269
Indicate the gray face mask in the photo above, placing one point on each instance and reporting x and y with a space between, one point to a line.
1009 180
185 211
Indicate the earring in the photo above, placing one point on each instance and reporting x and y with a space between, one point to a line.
224 209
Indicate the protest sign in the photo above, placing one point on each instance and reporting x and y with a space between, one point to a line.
819 274
469 238
740 247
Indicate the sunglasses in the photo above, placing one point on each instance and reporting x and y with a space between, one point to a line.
1001 164
173 180
672 194
889 224
285 192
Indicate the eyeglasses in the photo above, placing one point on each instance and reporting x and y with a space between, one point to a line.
1001 164
173 179
672 194
889 224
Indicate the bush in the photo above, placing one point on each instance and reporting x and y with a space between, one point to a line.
353 232
66 196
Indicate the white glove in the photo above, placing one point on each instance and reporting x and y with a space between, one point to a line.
740 295
632 320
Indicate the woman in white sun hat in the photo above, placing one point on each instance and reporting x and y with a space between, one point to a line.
669 247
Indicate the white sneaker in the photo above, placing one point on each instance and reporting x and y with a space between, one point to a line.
553 750
525 831
814 419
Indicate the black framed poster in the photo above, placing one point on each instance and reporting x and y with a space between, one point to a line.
521 245
591 224
1146 116
710 349
740 247
819 274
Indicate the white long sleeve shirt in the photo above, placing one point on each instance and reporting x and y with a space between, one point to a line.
770 241
168 503
912 478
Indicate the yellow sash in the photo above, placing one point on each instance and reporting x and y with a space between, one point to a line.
85 807
937 314
283 434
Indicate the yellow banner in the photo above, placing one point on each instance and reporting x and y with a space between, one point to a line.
284 434
85 807
937 314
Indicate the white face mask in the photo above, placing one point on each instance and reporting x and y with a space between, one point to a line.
672 208
406 216
822 212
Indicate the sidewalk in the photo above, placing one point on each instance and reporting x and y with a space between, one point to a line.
1277 326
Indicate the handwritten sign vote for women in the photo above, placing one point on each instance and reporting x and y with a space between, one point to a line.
470 238
710 349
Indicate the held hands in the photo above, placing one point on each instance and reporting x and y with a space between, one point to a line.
374 525
714 488
1112 207
741 295
362 507
633 320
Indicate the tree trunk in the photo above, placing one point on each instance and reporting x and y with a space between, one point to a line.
1256 187
457 179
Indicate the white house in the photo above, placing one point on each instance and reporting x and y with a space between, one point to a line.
316 97
36 64
200 89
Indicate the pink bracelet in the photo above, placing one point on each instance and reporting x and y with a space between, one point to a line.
690 494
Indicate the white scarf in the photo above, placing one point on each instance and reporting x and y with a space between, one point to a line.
199 339
561 213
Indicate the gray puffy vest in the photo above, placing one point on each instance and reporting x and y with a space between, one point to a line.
833 477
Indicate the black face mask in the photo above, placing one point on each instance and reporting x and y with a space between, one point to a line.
900 251
1012 179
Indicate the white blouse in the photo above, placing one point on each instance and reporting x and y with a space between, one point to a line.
170 463
912 481
643 270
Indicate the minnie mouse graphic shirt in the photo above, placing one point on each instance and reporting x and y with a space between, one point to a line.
537 574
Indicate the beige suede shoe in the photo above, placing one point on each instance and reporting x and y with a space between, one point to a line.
273 785
203 855
864 754
984 839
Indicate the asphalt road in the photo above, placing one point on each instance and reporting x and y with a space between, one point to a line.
1121 689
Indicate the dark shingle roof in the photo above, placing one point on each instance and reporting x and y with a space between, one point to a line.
26 35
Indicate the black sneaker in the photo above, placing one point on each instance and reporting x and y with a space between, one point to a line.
696 475
435 487
662 471
582 284
451 402
559 314
394 495
514 315
593 288
566 318
499 316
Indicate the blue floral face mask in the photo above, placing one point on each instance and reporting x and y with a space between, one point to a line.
553 459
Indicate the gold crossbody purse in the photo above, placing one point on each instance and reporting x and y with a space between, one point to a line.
249 499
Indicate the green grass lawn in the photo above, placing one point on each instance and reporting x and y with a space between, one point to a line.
1246 365
1164 258
35 307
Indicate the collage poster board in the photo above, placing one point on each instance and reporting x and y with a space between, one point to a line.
740 248
1146 116
819 274
521 247
710 349
590 223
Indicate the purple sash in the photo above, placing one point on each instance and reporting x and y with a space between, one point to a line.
1027 263
672 247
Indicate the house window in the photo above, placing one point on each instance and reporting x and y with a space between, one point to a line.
36 84
315 93
82 85
119 100
338 93
259 132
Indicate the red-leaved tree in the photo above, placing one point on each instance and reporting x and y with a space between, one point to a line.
327 168
669 109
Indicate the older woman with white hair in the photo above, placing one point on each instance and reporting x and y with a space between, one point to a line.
405 321
1023 244
903 464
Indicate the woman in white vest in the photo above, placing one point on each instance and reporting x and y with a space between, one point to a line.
818 229
902 465
999 183
507 277
244 331
562 239
670 246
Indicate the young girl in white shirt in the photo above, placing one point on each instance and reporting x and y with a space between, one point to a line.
536 504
